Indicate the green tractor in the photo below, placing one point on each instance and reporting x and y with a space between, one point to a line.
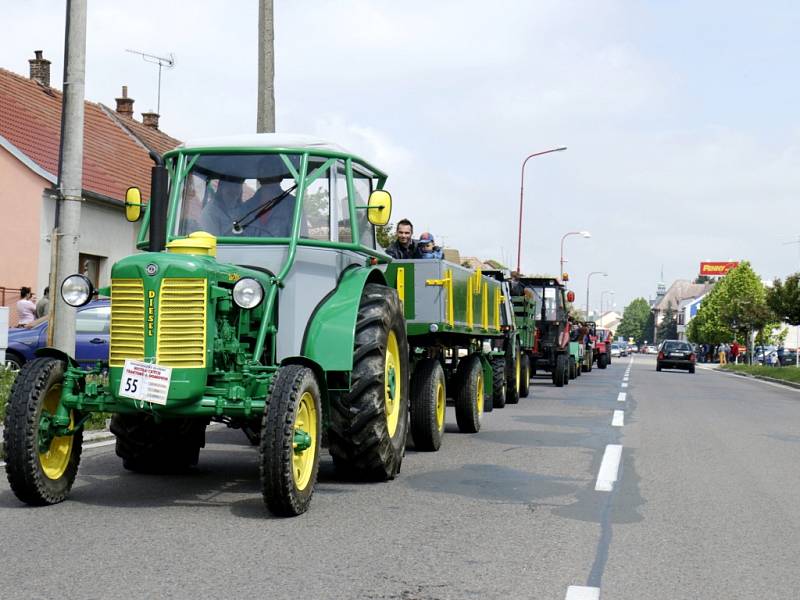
260 301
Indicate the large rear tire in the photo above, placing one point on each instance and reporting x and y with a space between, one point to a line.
369 424
469 395
602 361
290 441
145 446
40 467
428 401
573 368
499 385
559 371
513 375
525 375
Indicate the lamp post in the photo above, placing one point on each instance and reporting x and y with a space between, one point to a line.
521 195
585 234
588 277
601 299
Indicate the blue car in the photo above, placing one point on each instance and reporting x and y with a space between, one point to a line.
91 333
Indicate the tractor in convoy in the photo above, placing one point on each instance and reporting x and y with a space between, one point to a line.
261 300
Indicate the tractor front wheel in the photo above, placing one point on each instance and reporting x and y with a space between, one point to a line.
369 424
602 361
40 464
290 441
428 401
573 368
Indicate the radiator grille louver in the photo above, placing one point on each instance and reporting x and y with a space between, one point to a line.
182 323
127 321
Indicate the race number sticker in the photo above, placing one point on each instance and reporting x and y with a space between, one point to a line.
145 382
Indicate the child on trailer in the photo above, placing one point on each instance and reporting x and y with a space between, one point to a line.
426 247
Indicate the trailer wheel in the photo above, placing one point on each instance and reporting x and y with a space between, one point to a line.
40 466
290 441
369 424
559 370
602 361
525 375
145 446
573 368
513 375
499 384
469 397
428 401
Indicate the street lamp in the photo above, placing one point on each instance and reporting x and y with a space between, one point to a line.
588 277
585 234
521 194
601 299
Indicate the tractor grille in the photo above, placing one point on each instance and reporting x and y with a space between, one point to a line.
182 323
127 321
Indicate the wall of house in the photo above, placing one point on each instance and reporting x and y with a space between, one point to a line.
105 234
20 240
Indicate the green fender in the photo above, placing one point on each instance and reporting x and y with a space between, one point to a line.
330 335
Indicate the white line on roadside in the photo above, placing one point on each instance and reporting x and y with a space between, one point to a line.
624 384
609 468
618 420
621 397
582 592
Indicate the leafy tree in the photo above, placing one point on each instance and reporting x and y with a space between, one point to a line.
784 299
668 328
634 321
384 234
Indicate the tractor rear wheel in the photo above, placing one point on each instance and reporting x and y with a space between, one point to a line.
469 394
428 401
602 361
525 375
559 371
40 466
145 446
499 385
573 368
369 424
290 441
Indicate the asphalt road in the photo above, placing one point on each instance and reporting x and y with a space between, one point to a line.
704 506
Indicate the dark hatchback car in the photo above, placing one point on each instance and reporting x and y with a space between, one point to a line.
91 337
675 354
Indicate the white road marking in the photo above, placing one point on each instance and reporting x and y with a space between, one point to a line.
581 592
609 468
624 384
618 420
626 378
621 397
98 444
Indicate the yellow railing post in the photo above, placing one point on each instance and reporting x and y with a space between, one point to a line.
401 285
485 306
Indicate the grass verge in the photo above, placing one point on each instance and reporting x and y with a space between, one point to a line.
791 374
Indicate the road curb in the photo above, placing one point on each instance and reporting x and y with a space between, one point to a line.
790 384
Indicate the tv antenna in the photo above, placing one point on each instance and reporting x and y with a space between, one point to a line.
161 61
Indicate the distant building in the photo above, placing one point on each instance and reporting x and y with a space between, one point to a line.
116 156
609 320
677 297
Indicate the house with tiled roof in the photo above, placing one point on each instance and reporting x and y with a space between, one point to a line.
116 156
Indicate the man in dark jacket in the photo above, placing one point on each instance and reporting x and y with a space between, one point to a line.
403 246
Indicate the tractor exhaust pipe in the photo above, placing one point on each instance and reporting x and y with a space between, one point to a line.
159 182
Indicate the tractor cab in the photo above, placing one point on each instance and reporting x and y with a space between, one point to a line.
551 347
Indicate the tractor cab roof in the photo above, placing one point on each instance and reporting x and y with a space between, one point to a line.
542 281
265 141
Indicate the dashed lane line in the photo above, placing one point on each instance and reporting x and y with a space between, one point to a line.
618 420
582 592
624 384
621 397
609 467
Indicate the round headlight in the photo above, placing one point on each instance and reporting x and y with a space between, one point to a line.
77 290
247 293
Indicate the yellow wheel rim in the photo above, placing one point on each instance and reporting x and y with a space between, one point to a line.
518 370
480 393
54 462
392 378
440 404
303 460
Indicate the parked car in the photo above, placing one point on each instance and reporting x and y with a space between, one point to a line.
91 337
789 358
675 354
633 348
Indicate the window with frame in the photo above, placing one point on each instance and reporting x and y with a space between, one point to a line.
317 202
362 187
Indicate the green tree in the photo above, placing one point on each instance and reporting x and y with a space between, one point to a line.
634 321
784 299
668 328
385 235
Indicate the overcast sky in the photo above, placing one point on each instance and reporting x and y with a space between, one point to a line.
681 117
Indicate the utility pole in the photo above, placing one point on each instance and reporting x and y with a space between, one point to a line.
265 119
70 173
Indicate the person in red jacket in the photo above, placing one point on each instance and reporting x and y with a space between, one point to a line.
734 352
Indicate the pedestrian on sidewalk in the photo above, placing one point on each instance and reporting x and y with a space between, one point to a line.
780 355
735 352
722 354
26 306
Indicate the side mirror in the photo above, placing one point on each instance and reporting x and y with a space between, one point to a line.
133 204
570 296
379 208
